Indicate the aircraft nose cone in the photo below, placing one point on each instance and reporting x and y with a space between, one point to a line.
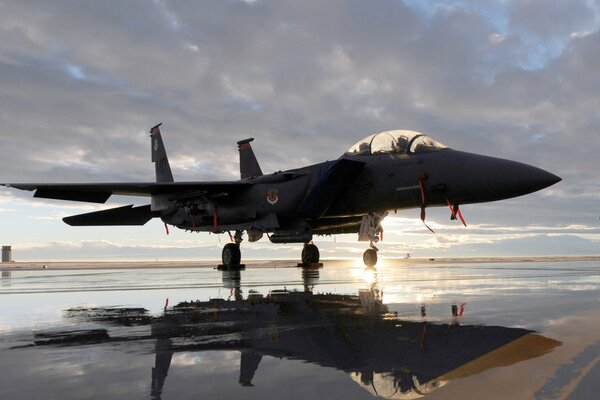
522 178
489 178
543 179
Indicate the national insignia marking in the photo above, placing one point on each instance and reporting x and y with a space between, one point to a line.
272 196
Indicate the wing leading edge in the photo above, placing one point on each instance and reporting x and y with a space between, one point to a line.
100 192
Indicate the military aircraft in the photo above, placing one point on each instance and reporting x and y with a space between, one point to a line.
391 170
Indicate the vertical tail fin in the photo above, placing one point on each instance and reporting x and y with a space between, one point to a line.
248 164
159 156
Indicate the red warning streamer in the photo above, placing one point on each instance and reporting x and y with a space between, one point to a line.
460 216
454 211
422 178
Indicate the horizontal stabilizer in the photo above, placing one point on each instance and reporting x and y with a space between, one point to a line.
329 187
127 215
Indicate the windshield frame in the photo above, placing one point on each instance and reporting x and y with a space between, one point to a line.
415 143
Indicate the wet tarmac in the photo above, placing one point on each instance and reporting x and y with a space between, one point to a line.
405 330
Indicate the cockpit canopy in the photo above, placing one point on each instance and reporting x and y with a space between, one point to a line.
395 142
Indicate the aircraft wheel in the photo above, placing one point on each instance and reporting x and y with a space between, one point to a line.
231 255
310 254
370 257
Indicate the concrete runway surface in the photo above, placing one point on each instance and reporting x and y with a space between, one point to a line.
407 329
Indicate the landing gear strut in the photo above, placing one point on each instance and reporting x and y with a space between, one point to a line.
231 255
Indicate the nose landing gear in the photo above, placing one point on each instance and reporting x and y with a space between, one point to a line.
370 230
370 256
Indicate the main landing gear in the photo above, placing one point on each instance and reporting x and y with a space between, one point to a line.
231 255
310 255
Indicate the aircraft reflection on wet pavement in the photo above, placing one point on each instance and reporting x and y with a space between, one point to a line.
389 357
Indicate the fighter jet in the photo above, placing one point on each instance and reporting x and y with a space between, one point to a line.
391 170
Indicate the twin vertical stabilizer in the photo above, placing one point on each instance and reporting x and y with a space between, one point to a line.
249 167
159 156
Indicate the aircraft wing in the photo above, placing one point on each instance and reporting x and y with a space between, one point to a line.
100 192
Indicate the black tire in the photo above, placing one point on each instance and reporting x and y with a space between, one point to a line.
231 255
310 254
370 257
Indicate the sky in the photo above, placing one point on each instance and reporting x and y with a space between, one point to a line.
81 84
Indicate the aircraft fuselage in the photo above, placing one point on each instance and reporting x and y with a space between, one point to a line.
386 182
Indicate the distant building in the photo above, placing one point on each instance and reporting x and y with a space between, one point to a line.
6 254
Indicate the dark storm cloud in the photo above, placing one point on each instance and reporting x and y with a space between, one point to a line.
82 82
